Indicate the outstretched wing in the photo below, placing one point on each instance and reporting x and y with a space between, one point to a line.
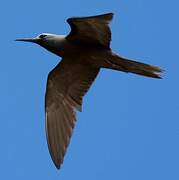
92 30
66 86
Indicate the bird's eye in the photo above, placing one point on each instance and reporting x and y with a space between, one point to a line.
42 36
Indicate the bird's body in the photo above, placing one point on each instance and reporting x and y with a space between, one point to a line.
59 45
84 51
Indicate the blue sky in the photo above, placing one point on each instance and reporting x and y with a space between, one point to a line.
129 128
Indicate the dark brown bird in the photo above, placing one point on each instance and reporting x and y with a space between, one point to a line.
84 51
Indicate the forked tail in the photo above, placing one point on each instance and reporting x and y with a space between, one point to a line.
122 64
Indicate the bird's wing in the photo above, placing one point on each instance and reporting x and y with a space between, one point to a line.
92 30
67 84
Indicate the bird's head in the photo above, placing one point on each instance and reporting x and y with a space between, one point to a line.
40 39
51 42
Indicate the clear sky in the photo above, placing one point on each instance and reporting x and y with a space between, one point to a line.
129 128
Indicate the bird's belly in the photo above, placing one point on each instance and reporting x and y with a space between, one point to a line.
70 49
87 54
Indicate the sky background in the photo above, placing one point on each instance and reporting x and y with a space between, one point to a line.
129 128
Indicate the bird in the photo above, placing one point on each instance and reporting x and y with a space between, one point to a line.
84 51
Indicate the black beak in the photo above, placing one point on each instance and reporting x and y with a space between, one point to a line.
33 40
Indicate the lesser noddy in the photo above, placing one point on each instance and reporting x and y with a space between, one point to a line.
84 51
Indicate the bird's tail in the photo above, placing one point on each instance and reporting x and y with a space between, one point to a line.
118 63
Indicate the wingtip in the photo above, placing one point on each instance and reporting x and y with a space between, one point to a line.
110 13
56 163
57 166
107 16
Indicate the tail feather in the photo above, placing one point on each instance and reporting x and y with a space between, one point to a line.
122 64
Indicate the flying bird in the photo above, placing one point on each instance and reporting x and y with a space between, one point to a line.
84 51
